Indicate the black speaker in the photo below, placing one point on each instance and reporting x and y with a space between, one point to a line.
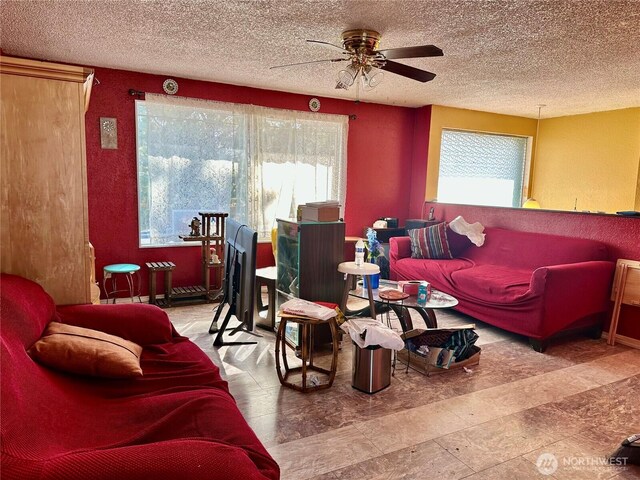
392 222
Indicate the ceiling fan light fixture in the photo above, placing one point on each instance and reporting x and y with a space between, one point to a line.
360 48
347 76
371 78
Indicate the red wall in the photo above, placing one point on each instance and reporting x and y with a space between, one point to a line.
621 234
380 155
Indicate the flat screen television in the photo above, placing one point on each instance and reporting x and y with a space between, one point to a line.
239 282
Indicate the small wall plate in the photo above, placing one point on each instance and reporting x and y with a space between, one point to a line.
109 133
314 104
170 86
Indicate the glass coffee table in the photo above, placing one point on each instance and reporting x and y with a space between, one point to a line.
401 308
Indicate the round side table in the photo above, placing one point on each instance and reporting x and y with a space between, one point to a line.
351 270
126 269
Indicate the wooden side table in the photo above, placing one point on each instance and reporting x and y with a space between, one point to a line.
626 290
267 277
154 268
307 327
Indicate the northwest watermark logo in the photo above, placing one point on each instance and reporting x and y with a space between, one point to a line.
547 463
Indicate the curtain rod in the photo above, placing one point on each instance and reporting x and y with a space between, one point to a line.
133 92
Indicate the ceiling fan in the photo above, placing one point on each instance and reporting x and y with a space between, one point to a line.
360 49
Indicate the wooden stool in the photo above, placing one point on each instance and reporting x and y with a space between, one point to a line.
167 268
307 325
351 270
267 277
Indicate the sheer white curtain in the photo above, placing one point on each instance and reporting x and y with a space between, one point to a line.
255 163
296 157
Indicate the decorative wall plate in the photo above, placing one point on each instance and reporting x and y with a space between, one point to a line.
109 133
170 86
314 104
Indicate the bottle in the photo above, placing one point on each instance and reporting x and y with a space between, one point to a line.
359 253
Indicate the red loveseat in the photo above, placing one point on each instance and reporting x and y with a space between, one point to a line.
528 283
176 421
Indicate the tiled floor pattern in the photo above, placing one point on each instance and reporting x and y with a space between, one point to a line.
574 403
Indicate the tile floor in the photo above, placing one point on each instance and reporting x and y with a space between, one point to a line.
574 403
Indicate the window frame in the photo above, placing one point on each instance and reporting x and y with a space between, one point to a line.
527 167
251 112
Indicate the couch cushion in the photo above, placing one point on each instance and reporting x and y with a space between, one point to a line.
430 242
492 283
458 244
438 272
87 352
533 250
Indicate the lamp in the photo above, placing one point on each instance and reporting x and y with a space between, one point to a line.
368 71
347 76
371 77
531 203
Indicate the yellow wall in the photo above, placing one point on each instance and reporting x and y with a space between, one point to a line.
460 119
593 157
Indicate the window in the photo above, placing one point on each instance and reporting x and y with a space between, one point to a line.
482 168
255 163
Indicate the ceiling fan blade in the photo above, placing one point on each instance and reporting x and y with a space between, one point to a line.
407 71
332 60
327 44
412 52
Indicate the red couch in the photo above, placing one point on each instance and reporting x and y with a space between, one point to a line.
176 421
528 283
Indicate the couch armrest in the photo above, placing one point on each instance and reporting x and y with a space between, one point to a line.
399 247
141 323
572 291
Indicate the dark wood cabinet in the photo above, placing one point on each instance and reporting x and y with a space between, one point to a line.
307 263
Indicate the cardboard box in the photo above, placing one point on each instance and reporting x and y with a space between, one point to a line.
427 363
320 214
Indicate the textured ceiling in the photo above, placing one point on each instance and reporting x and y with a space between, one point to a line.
500 56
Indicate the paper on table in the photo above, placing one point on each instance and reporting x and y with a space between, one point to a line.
298 306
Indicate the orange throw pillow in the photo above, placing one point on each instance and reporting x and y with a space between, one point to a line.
87 352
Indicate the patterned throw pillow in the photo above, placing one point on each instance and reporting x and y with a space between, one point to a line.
430 242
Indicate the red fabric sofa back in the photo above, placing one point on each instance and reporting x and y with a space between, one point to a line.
26 310
178 421
533 250
33 397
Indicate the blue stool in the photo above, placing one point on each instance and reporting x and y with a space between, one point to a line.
128 269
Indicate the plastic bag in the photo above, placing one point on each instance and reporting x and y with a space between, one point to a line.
366 332
473 231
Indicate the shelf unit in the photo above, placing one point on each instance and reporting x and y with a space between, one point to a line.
307 267
212 237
